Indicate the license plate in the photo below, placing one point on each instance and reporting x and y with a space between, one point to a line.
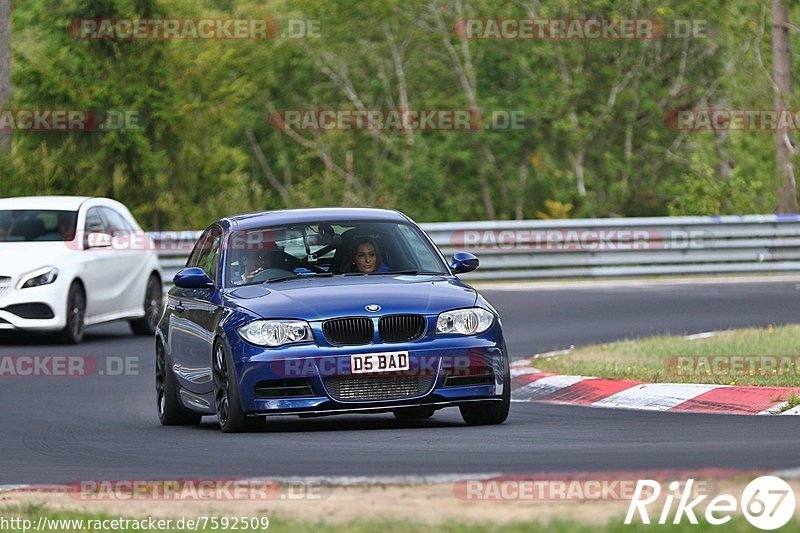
378 362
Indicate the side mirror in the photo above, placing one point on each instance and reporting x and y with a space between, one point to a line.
463 262
192 278
98 240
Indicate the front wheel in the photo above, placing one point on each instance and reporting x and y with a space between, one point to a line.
153 307
226 395
76 316
492 412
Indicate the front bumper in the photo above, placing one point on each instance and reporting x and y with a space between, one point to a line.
331 408
438 361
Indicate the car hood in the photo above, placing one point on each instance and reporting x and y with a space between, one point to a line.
323 298
22 257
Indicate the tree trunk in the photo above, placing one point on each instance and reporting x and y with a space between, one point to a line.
784 147
5 69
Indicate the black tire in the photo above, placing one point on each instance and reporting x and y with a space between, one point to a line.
413 413
153 309
490 412
170 410
226 395
76 315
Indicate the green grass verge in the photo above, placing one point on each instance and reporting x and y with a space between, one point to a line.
737 357
737 524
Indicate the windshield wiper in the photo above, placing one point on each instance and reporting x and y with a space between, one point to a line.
300 276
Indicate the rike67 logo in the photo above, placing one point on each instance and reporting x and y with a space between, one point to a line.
767 502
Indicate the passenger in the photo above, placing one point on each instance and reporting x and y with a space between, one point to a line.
366 258
64 231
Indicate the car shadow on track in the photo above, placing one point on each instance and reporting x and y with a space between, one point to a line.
341 423
93 335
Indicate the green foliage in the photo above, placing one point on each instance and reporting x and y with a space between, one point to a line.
592 108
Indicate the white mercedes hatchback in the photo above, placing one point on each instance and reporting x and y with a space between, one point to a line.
69 262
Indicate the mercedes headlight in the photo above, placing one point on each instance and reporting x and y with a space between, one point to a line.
276 332
41 276
464 321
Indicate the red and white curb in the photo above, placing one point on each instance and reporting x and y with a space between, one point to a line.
530 385
455 479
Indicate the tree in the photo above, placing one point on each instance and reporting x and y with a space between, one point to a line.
781 69
5 69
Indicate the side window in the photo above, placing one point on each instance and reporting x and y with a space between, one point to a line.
194 257
95 222
206 252
426 259
116 222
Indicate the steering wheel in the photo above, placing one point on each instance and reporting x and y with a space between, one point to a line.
269 273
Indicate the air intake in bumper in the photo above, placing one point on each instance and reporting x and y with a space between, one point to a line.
31 310
283 388
371 388
469 376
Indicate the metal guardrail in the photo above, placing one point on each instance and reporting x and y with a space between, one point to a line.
597 248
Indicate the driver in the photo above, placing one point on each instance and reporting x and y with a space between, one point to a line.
253 263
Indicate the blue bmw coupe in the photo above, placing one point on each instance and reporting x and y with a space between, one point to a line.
315 312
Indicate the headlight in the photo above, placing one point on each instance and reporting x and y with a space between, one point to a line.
276 332
464 321
42 276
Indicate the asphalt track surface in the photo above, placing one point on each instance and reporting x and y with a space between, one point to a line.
64 429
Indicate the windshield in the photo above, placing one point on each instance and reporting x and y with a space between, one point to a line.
327 249
28 225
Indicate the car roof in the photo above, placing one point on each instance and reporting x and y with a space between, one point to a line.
58 203
310 215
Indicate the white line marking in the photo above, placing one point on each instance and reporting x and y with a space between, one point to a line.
792 411
488 285
554 353
775 409
789 473
8 488
433 479
704 335
654 396
524 370
545 387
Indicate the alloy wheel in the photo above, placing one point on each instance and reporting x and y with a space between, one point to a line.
221 385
